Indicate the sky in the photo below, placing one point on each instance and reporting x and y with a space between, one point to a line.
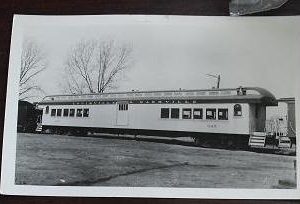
170 54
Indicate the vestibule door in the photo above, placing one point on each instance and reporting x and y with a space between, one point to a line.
122 114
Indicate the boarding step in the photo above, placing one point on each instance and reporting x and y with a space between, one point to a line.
284 142
257 139
39 127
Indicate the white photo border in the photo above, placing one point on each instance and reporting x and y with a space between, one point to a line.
10 128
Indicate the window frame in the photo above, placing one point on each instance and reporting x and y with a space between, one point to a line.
187 109
201 113
84 113
77 113
236 112
59 112
72 110
161 113
66 115
123 106
222 110
177 114
214 111
53 110
47 110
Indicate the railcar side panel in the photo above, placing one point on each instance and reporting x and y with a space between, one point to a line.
149 117
99 116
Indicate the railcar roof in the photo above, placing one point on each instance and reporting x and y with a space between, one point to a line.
229 95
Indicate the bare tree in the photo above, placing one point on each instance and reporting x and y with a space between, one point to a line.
94 66
33 62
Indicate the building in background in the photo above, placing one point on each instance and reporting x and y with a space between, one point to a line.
281 120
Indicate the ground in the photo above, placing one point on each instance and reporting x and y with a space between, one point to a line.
105 160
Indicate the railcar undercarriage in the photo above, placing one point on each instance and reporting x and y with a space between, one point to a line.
213 140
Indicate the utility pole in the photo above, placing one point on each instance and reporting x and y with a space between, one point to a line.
218 77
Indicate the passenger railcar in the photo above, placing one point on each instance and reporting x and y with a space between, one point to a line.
226 116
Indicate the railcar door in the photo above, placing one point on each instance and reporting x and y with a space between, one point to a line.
122 114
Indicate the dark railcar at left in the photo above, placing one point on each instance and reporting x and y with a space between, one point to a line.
28 117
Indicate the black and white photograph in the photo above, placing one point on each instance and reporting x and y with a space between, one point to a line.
153 106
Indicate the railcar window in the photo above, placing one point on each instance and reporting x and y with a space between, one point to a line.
186 113
58 113
198 113
123 107
222 114
47 110
79 112
66 113
86 112
211 113
237 109
53 112
164 113
174 112
72 112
